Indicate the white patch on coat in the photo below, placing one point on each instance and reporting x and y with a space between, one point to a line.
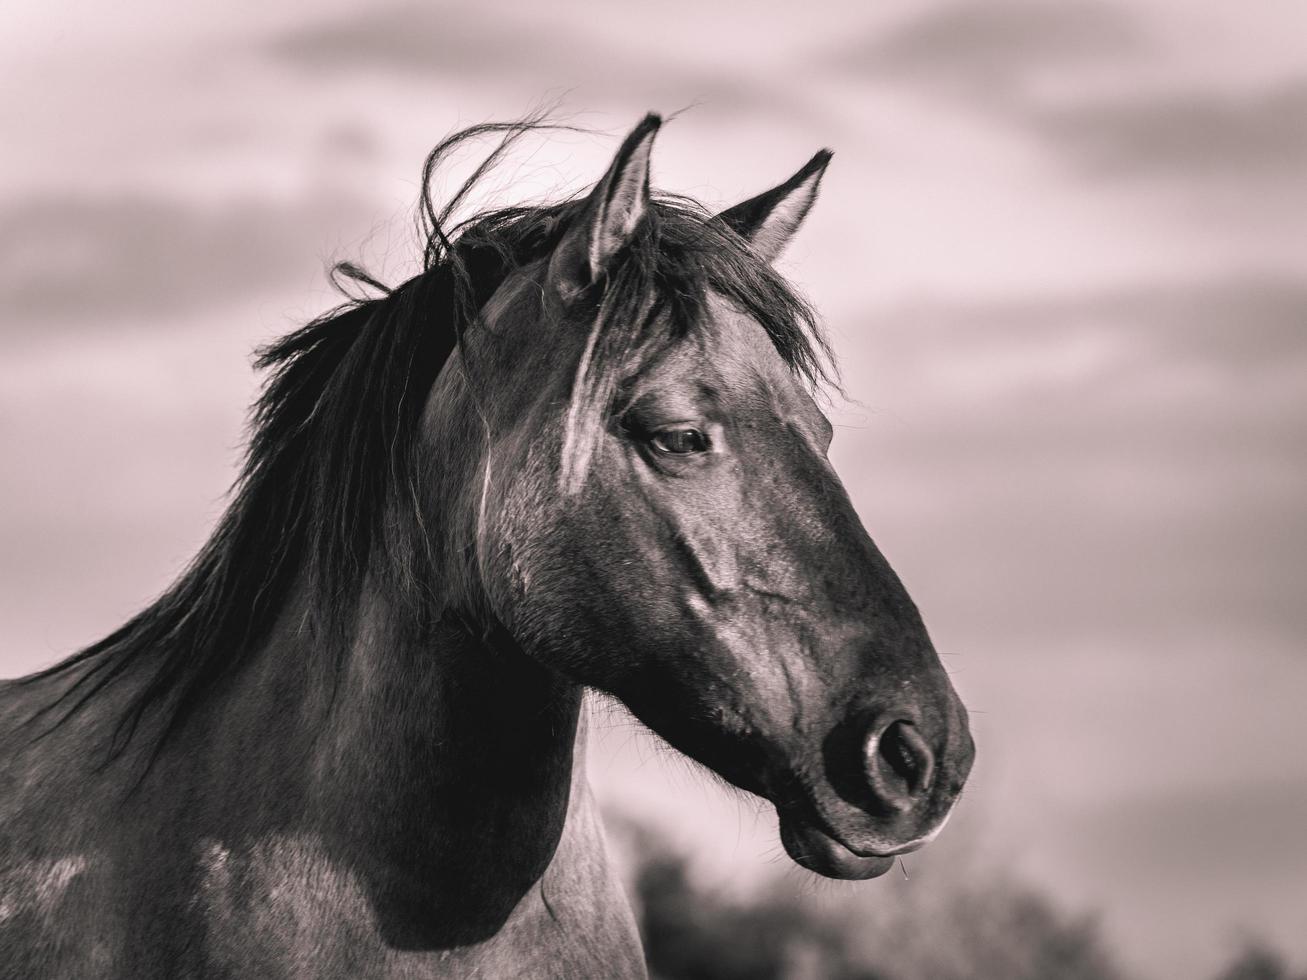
37 885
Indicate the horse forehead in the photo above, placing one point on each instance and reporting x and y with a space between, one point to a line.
747 360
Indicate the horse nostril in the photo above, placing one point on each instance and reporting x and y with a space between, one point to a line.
899 763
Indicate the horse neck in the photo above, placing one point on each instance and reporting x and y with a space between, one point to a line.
466 746
436 767
435 760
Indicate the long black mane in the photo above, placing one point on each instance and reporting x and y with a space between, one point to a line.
326 493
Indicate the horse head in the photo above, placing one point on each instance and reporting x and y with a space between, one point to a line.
655 516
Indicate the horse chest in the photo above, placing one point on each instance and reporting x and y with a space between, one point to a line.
282 909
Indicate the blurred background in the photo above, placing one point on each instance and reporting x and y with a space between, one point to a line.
1062 256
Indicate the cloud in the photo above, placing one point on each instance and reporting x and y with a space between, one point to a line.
1131 459
987 48
84 259
451 40
495 48
992 58
1242 323
1182 362
1250 136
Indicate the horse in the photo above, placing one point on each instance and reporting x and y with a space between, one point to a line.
581 449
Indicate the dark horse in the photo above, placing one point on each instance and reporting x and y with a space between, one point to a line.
579 450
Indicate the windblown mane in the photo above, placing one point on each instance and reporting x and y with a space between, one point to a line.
326 495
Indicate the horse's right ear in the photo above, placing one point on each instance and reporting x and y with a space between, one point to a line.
610 215
770 220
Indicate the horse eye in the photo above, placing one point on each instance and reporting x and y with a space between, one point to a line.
679 442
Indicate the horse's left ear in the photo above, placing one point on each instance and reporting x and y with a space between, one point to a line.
770 220
610 215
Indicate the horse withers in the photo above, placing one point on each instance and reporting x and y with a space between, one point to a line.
580 449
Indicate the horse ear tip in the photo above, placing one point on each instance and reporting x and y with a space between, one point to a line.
650 124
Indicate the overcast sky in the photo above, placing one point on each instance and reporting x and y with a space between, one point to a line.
1062 254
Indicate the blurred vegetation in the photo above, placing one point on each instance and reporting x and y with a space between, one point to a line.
1258 961
967 929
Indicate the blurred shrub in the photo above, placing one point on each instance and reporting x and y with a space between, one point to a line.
1258 961
969 925
690 935
992 931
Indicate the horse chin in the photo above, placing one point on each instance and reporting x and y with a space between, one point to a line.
820 853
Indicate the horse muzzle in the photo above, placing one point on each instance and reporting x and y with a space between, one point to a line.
891 783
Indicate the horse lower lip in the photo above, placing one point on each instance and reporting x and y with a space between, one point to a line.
822 854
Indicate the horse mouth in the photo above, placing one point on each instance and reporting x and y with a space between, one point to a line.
819 852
